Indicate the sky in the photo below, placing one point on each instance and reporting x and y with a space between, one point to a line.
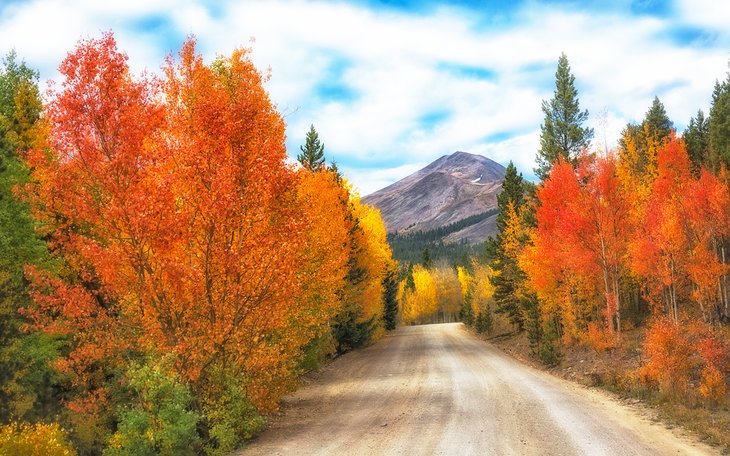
391 85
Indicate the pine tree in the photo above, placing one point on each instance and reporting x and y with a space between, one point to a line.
640 143
390 297
562 133
720 124
697 139
26 378
508 278
426 261
657 122
467 311
513 189
312 156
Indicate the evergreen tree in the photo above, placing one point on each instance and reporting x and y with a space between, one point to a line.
467 311
640 143
390 297
508 277
348 328
720 124
336 171
26 379
562 133
312 156
426 261
697 139
513 189
657 122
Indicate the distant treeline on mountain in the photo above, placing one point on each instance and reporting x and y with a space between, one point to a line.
408 247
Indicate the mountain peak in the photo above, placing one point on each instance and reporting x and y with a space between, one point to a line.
449 189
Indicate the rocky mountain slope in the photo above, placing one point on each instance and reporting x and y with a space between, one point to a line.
450 189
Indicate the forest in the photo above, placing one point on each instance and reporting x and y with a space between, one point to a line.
608 241
410 246
166 273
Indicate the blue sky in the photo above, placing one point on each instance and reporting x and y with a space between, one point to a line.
393 84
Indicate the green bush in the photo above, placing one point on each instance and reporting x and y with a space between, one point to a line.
548 351
160 422
315 352
484 322
230 415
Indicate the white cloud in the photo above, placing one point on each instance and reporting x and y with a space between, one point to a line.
375 179
391 61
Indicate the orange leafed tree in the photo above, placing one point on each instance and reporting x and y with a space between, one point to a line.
661 252
708 206
94 196
680 249
373 257
172 205
580 243
324 259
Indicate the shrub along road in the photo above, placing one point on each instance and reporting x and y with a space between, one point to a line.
436 389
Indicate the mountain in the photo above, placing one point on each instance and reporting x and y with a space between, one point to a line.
447 191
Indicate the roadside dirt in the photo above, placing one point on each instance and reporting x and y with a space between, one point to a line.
437 389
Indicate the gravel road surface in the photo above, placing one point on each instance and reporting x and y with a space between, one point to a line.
436 389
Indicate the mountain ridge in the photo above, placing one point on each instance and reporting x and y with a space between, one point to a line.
447 190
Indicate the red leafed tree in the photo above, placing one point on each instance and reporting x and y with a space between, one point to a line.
172 205
680 249
96 194
660 253
549 263
708 206
582 233
608 231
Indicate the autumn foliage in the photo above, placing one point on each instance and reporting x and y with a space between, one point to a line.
603 241
34 440
184 232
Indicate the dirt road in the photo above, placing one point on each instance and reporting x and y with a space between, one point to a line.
438 390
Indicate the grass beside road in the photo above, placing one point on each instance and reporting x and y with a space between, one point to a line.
616 371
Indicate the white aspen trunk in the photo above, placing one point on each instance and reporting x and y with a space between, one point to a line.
618 304
724 281
673 292
609 316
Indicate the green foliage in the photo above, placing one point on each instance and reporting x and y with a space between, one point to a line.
408 247
312 156
390 297
348 329
26 381
720 124
32 390
484 322
513 189
562 134
350 332
548 349
20 105
315 352
657 121
159 419
508 278
653 131
697 139
467 311
426 260
229 414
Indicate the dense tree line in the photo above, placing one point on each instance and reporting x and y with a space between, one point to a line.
618 236
635 237
166 275
408 247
